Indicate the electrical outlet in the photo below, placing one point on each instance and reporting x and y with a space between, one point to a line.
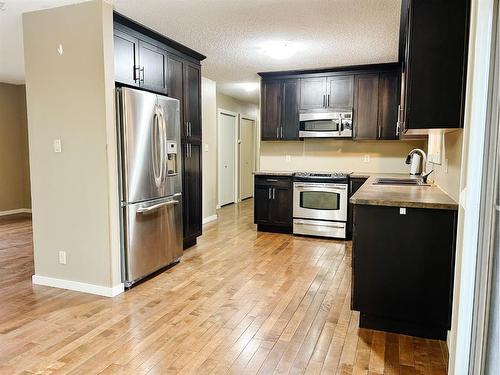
366 158
57 145
402 210
62 257
288 158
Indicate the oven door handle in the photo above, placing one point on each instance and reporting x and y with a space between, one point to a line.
319 187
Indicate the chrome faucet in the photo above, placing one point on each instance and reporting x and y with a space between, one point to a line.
418 160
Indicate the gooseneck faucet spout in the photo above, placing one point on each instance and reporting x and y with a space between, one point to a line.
418 160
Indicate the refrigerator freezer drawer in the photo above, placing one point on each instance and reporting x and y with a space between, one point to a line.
152 236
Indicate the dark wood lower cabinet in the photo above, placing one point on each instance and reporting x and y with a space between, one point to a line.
273 203
403 264
354 184
192 192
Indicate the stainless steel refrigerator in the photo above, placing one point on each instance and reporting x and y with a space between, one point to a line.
150 182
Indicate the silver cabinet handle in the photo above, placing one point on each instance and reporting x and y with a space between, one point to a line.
281 131
268 193
277 133
328 100
190 129
154 207
141 71
137 73
190 150
274 193
324 100
271 180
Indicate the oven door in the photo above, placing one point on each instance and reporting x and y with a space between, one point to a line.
320 201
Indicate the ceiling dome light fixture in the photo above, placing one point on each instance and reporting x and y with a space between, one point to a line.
281 50
249 86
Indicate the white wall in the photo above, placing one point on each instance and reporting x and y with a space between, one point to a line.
209 131
482 12
70 97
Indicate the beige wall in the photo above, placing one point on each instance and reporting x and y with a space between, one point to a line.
14 164
336 155
234 105
447 174
209 123
70 97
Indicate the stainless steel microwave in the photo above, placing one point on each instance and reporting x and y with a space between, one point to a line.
325 124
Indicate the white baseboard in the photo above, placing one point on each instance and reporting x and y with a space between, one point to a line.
78 286
209 219
17 211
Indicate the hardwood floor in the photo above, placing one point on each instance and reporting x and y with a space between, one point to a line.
239 302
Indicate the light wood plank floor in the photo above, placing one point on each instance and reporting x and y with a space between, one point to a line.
239 302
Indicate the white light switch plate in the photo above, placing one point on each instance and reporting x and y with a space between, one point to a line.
402 210
62 257
57 145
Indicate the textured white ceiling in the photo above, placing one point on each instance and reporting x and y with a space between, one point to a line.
231 32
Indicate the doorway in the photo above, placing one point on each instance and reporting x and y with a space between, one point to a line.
227 133
247 157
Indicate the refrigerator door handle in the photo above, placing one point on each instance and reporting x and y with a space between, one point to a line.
155 139
163 145
154 207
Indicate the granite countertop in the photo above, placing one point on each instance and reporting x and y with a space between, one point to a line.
273 173
429 196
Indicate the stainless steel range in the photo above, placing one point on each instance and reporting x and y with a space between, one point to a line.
320 204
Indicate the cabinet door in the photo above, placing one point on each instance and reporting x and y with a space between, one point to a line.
290 117
271 110
126 54
192 103
312 93
261 204
192 190
340 92
281 207
174 77
388 100
437 63
366 107
153 71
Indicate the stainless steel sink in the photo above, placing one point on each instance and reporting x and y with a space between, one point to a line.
399 181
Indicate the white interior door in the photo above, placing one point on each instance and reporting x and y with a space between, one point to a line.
227 157
247 157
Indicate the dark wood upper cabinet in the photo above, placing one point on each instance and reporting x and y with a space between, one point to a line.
153 68
434 61
271 110
372 92
366 107
192 102
340 92
290 110
174 77
153 62
126 56
388 100
313 93
280 110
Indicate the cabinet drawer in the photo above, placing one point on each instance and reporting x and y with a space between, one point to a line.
274 181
